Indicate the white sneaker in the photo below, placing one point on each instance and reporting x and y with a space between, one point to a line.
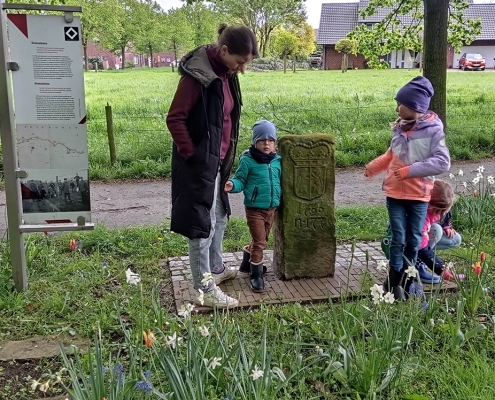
226 274
216 298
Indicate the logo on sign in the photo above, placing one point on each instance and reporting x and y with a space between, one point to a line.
71 34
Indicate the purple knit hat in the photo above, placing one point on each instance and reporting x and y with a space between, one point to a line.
416 94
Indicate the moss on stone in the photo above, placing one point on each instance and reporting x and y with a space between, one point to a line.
304 231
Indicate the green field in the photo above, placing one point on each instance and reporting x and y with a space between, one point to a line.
356 107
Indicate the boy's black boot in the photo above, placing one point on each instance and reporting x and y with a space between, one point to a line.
394 284
256 278
245 268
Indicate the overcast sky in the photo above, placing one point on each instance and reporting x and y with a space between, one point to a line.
313 7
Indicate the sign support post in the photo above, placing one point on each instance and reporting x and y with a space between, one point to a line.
10 166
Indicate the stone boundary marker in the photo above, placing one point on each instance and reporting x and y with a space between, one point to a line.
346 281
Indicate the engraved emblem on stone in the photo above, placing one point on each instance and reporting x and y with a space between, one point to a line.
310 169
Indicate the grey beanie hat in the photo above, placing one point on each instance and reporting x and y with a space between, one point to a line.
416 94
264 129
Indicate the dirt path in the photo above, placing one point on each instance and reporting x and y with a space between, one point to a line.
122 204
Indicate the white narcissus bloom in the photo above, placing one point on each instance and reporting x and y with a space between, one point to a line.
185 310
377 299
481 169
411 271
389 298
432 322
215 362
376 290
451 175
464 184
132 278
256 373
382 266
479 175
204 331
173 340
201 297
460 173
476 180
490 180
45 386
207 278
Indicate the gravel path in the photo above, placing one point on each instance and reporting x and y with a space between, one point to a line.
130 203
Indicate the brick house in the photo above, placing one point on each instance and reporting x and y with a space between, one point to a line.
110 60
338 19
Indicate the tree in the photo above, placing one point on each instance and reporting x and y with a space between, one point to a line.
206 22
444 23
179 34
305 41
150 30
263 16
99 22
346 46
128 23
285 45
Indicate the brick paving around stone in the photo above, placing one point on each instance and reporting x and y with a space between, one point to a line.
351 279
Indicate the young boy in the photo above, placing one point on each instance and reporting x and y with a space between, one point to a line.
258 176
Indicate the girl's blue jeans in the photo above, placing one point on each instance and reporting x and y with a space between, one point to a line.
407 218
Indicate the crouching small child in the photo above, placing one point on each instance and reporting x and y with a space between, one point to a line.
258 176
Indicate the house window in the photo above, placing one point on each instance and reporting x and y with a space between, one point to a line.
136 60
370 25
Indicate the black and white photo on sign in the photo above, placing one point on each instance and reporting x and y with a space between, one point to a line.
55 191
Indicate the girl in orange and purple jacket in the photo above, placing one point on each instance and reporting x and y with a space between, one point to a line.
416 154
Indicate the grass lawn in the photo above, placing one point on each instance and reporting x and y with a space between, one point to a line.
356 107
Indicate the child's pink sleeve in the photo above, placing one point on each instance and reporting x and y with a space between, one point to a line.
379 164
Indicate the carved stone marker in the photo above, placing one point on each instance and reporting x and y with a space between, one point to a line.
304 231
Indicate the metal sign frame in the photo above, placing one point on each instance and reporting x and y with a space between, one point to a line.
12 173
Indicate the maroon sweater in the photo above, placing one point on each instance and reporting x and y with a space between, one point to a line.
187 95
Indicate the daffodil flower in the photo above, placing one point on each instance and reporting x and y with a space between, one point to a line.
376 290
451 176
464 184
411 271
256 373
460 173
476 180
389 298
204 331
481 169
173 340
382 266
45 386
215 362
185 310
132 278
207 278
490 180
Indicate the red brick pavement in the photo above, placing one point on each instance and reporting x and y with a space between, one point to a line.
350 280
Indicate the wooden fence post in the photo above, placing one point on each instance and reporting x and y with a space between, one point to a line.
111 139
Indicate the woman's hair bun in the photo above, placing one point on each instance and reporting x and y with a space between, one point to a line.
221 28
